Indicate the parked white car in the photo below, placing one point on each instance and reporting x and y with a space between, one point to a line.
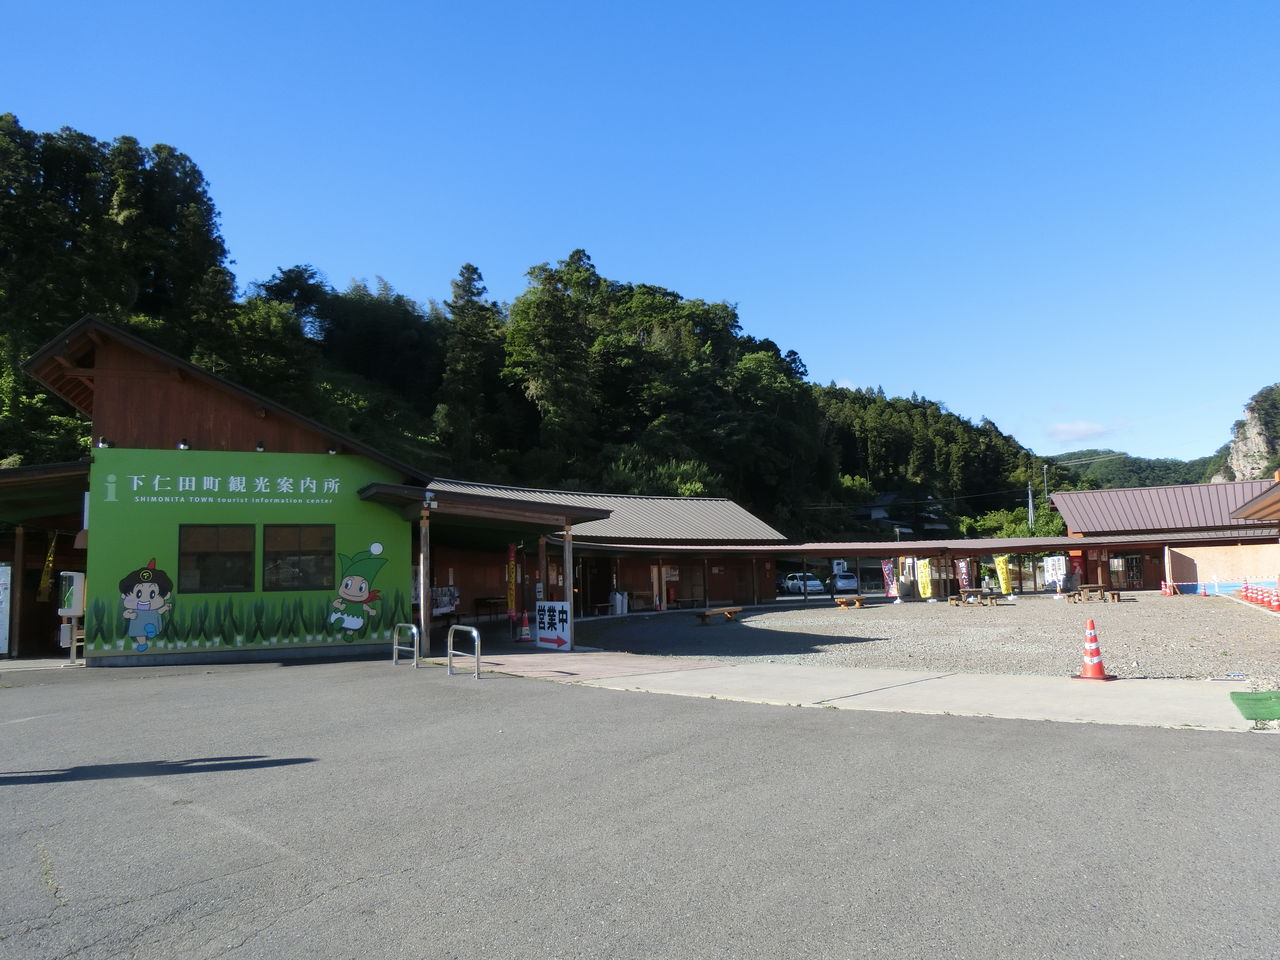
803 583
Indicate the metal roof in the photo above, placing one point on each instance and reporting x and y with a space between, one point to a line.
635 519
1189 506
961 548
1265 506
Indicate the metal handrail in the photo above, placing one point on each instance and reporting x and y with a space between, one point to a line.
397 646
449 651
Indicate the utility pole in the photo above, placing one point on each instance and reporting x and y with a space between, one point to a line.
1046 481
1031 511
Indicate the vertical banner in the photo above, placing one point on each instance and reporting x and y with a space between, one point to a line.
1055 572
924 578
511 582
890 579
1002 573
552 625
962 574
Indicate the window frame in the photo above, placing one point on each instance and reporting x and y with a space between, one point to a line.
250 556
330 566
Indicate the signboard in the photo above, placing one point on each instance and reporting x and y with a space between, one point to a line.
551 626
962 574
199 550
1055 571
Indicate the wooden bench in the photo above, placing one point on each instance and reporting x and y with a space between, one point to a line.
1113 596
845 602
728 612
954 600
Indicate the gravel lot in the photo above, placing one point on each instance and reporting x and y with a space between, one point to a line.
1145 635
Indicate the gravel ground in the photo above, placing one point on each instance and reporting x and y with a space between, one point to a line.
1145 635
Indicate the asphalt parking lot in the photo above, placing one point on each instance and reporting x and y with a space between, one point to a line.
358 810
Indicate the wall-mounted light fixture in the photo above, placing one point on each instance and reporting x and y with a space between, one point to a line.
260 447
183 445
104 442
331 451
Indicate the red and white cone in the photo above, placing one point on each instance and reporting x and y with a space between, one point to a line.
1092 668
524 630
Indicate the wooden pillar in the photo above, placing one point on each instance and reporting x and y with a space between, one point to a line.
542 571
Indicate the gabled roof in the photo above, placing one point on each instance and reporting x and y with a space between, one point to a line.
60 366
636 519
1189 506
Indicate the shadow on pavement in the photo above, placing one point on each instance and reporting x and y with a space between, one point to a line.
668 636
147 768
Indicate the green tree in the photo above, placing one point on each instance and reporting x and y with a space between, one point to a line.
548 342
467 418
112 229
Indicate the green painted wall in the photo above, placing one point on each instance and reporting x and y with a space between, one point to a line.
139 498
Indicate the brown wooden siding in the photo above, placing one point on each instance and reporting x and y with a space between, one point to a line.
142 402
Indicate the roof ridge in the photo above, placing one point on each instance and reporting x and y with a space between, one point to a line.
1164 486
583 493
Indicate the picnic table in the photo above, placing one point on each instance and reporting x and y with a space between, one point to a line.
975 595
1089 592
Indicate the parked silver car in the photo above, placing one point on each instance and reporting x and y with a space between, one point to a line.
843 582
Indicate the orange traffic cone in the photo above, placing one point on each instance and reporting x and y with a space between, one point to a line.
524 630
1164 588
1092 668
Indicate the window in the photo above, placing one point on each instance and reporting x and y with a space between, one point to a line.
215 558
297 557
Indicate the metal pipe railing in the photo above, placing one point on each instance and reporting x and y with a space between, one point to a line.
397 647
449 651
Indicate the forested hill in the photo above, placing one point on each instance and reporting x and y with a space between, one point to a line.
582 382
1111 468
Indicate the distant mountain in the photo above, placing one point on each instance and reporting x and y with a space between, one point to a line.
1111 468
1254 450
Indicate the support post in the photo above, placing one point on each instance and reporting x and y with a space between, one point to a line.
542 571
568 577
424 579
16 590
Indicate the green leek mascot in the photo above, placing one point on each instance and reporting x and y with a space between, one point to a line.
355 598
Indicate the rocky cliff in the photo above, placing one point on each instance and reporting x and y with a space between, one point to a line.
1254 451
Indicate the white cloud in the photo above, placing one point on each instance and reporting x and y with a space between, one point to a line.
1077 431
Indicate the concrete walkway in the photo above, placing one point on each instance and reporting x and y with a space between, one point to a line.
1194 704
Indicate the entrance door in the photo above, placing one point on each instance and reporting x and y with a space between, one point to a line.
1133 571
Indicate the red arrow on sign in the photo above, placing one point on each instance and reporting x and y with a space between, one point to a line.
558 641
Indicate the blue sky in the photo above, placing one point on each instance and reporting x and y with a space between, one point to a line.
1060 216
